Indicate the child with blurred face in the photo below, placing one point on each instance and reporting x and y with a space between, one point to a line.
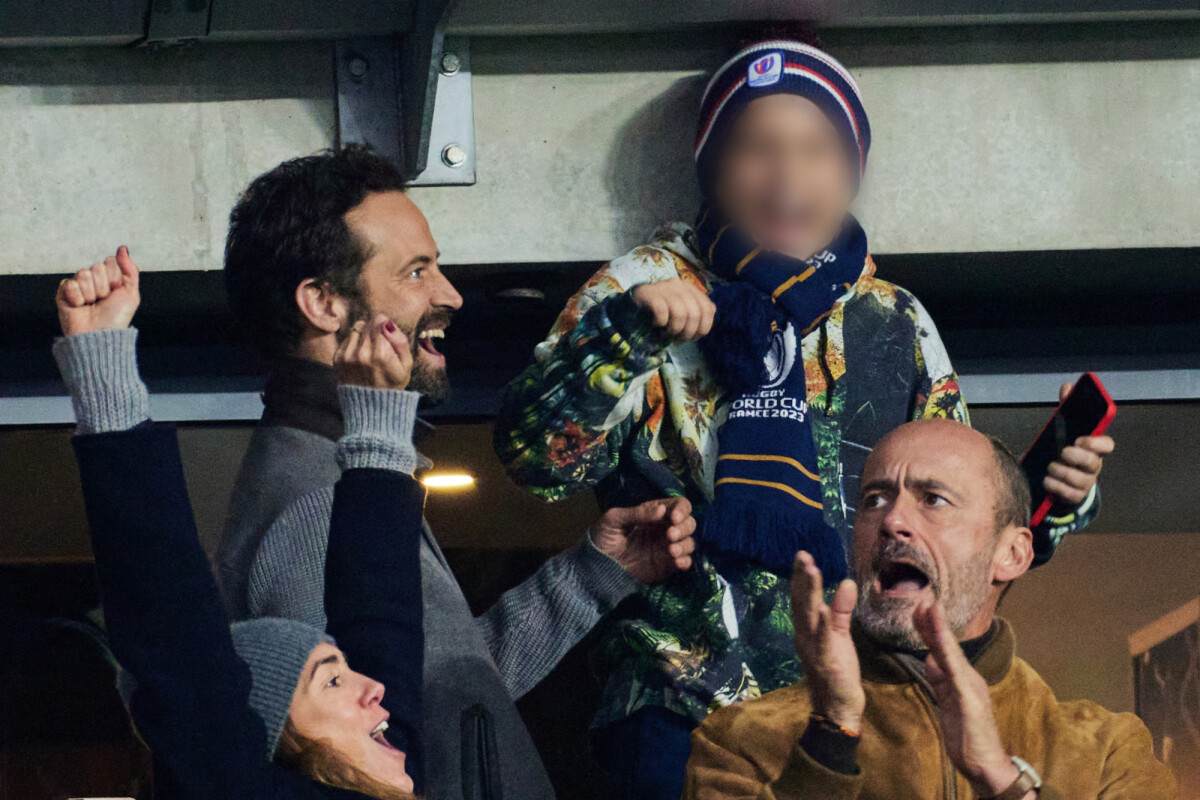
783 176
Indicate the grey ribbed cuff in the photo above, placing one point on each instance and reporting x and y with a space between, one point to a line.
379 429
101 373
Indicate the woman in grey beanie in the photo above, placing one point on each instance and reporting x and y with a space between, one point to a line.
268 708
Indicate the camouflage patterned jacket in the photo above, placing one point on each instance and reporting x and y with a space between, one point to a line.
610 404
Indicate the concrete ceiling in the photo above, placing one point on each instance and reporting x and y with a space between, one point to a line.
504 17
120 22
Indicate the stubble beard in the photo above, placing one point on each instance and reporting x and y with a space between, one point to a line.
961 593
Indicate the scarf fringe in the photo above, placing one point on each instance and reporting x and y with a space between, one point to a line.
773 536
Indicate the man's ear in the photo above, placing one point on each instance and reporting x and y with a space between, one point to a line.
1014 555
324 310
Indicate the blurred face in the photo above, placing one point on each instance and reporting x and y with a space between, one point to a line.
925 529
401 280
335 705
783 176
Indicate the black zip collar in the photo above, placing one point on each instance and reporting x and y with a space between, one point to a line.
991 654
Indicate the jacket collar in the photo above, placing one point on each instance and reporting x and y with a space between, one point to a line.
883 665
301 393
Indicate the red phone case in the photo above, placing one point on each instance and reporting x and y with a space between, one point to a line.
1040 513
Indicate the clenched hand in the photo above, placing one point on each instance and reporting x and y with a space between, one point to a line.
680 308
102 297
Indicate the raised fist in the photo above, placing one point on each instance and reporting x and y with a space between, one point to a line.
679 307
103 296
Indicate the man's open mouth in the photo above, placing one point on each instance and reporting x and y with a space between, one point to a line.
901 579
428 337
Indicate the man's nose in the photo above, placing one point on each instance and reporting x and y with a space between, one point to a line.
445 295
897 523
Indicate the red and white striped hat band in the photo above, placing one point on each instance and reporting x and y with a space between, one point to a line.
781 44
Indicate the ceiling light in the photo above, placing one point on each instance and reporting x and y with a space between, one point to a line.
448 480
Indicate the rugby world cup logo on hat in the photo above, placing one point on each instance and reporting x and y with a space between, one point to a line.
765 71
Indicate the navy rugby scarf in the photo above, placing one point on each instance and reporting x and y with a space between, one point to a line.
767 503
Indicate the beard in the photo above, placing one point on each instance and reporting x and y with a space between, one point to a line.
961 592
429 380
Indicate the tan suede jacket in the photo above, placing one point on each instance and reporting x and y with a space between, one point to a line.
750 750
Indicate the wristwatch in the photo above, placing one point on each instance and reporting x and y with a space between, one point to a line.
1026 781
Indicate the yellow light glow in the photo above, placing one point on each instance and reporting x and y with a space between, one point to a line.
447 480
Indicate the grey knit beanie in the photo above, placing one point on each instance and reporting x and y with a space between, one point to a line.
275 649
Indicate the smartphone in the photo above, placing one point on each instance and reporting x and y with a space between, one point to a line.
1087 411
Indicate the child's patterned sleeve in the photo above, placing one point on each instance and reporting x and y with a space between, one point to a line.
1057 525
563 421
944 400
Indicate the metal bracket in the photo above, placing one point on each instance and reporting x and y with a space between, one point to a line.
451 145
420 55
407 96
176 21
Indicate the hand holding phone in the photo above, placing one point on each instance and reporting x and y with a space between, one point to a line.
1086 411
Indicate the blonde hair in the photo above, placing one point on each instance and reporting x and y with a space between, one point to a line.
321 762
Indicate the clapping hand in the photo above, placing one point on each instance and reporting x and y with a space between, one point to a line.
824 646
964 708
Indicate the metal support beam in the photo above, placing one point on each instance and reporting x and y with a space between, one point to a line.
573 17
420 63
260 20
1151 385
189 407
63 22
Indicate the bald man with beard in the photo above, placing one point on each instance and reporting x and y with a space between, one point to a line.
912 685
